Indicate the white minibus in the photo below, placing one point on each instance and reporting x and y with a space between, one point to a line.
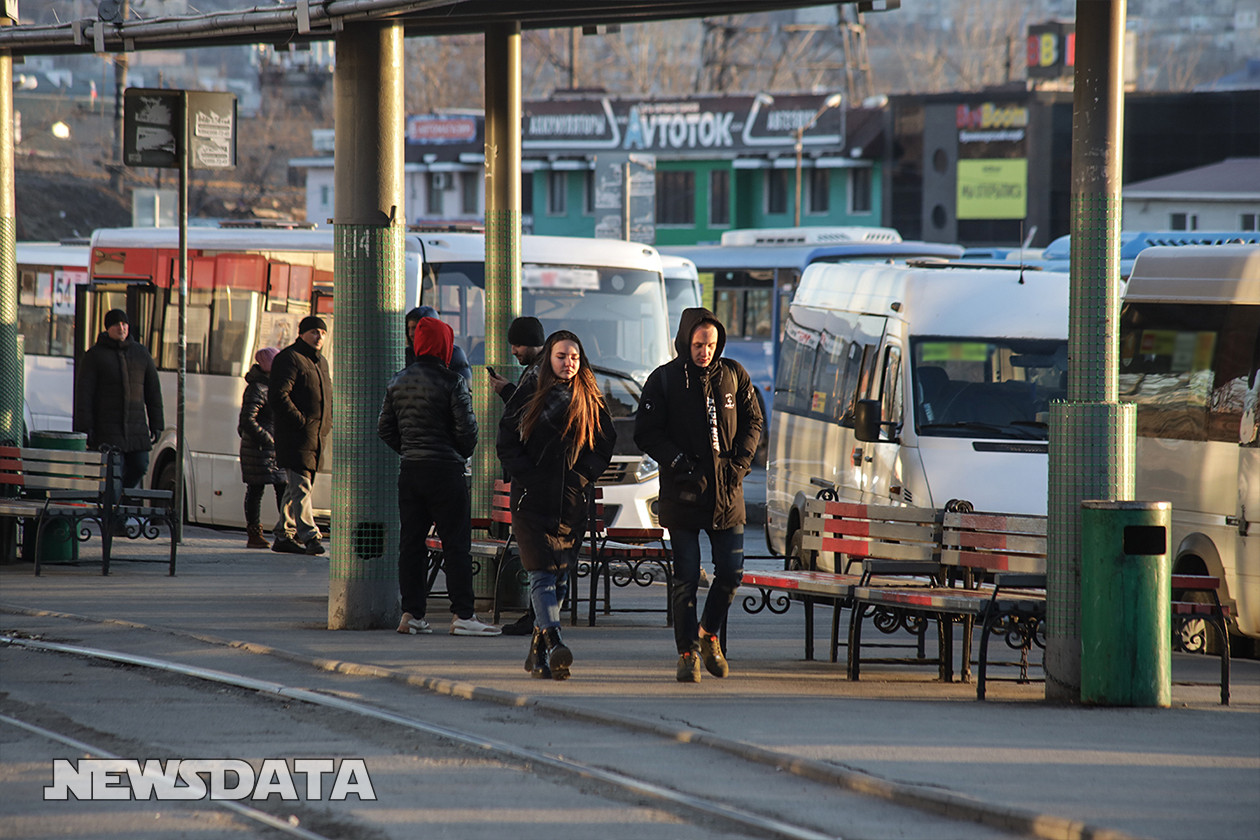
1189 351
915 386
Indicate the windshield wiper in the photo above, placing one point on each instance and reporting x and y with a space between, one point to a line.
997 431
620 374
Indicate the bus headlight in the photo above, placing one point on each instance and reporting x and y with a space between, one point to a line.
647 469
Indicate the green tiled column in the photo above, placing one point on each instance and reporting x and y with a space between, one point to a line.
370 264
1091 434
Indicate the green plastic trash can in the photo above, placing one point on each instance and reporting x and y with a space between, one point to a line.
1126 632
58 544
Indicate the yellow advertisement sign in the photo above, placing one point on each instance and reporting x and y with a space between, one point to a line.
996 188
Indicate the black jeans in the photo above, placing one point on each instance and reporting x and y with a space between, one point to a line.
253 501
728 572
434 493
135 465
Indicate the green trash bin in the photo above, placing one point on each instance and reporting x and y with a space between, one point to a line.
59 544
1126 625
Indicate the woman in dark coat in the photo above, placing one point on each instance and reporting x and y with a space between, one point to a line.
555 439
258 446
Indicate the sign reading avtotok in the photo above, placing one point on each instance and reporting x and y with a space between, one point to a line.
212 778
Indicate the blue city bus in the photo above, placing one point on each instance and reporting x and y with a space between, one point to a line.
1057 255
748 285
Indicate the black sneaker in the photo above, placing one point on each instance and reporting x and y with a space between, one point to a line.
288 545
314 546
523 626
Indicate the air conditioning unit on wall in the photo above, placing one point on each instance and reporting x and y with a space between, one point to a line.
440 180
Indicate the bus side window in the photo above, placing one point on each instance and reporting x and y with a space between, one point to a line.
890 392
864 381
728 307
829 376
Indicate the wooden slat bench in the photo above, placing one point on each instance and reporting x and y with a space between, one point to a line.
1210 611
620 557
48 486
1005 553
1008 554
851 533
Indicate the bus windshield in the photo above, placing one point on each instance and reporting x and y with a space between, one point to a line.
987 387
617 312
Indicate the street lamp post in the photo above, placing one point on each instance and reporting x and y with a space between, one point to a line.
831 102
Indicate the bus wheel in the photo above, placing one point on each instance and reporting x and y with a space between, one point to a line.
166 481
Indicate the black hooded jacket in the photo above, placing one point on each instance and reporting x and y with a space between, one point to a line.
672 425
117 398
258 441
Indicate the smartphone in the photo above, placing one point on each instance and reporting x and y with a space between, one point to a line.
490 371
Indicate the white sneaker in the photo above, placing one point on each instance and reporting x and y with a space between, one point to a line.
472 627
414 626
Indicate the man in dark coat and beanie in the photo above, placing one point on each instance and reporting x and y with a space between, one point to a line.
427 418
117 397
301 408
699 419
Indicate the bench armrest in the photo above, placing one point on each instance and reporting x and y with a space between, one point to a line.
1015 580
155 495
72 495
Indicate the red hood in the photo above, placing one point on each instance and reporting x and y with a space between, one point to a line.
435 338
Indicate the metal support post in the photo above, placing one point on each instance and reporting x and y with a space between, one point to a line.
503 242
369 241
12 395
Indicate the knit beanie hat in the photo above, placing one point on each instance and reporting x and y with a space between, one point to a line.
115 316
265 357
312 322
526 331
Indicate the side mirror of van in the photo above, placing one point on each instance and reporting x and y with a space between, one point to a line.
866 420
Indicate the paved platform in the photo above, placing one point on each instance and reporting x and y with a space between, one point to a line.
1186 772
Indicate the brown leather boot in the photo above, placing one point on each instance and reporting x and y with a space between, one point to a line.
256 538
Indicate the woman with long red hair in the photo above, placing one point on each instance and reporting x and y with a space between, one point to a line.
555 439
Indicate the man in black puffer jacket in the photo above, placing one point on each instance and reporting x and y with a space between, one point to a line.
699 419
300 397
117 397
427 418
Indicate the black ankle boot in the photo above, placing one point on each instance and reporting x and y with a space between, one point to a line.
536 661
559 657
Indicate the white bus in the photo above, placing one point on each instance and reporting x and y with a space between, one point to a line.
610 293
749 279
915 386
1189 353
48 275
682 288
248 289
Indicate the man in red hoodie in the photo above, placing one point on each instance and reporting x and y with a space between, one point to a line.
428 419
